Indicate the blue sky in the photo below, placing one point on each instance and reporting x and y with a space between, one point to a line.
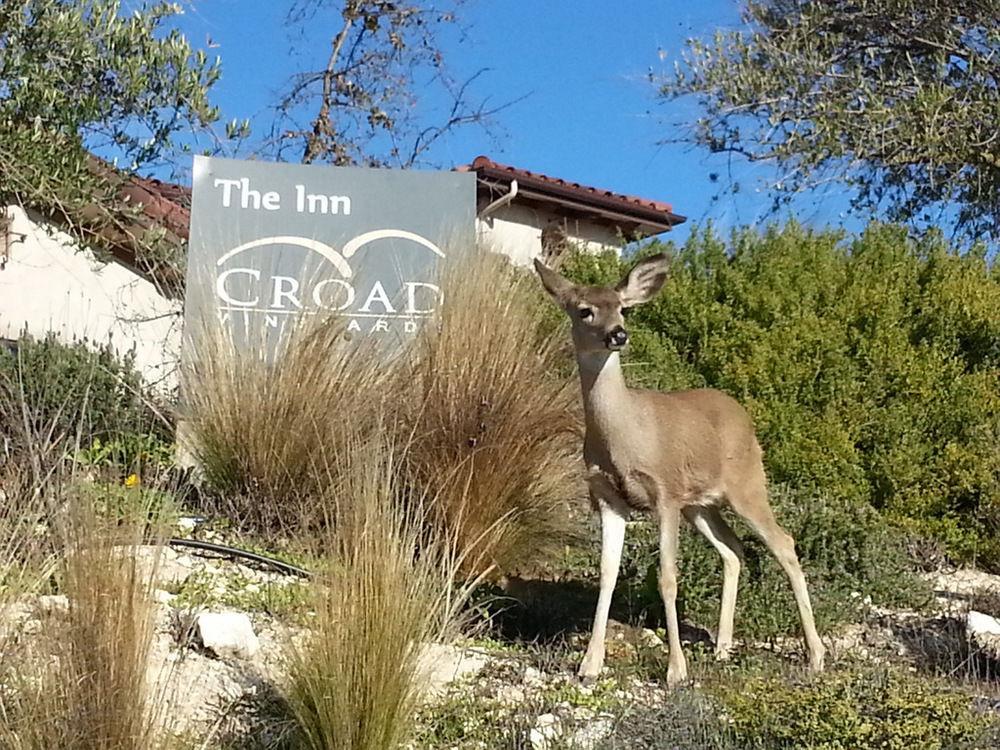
589 112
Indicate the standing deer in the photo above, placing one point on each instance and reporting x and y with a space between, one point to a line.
685 452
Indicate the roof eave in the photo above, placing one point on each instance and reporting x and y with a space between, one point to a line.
656 221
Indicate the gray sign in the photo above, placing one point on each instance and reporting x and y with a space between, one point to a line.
272 242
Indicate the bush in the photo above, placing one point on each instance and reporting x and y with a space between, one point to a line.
268 435
862 709
870 366
66 395
493 432
483 425
355 682
84 682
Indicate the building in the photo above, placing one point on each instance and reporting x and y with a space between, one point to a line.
528 215
49 283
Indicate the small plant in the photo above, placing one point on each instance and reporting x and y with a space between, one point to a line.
267 422
287 599
81 395
389 588
862 709
129 454
127 501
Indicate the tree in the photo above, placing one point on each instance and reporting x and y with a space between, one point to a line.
78 78
361 105
900 99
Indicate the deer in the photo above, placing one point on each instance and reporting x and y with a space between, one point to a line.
683 453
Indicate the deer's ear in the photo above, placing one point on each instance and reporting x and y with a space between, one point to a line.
644 280
555 284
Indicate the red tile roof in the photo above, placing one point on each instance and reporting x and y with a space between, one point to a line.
163 206
167 204
643 211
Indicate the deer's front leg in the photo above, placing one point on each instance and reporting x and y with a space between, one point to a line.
669 529
613 513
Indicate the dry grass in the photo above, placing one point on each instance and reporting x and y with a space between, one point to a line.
389 588
95 692
30 455
81 681
265 432
493 429
488 426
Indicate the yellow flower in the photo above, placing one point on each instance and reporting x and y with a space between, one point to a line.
132 480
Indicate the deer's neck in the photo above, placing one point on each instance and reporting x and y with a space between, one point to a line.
607 402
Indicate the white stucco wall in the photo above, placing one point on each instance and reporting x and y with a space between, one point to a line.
50 284
516 231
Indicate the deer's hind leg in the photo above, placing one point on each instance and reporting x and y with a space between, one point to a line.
750 501
710 523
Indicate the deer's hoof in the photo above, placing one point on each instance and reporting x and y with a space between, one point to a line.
676 675
816 661
588 673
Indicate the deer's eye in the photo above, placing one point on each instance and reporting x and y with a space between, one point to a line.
586 313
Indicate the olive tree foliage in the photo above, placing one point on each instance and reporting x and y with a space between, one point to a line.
88 76
897 98
365 102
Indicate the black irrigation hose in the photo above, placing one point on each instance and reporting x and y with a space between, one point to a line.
232 552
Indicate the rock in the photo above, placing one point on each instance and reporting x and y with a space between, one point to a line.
167 568
533 677
593 733
52 605
983 631
978 624
954 588
227 634
649 638
18 617
190 690
187 524
441 664
510 695
546 732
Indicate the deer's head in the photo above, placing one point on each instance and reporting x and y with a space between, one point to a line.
597 311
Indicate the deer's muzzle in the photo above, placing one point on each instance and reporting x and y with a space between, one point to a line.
617 338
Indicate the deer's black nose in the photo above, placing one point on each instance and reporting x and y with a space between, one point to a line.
616 338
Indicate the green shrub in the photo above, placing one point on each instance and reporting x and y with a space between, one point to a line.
54 394
862 709
870 366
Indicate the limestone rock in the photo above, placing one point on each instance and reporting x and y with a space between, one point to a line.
592 733
441 664
978 624
53 605
546 732
227 634
984 632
